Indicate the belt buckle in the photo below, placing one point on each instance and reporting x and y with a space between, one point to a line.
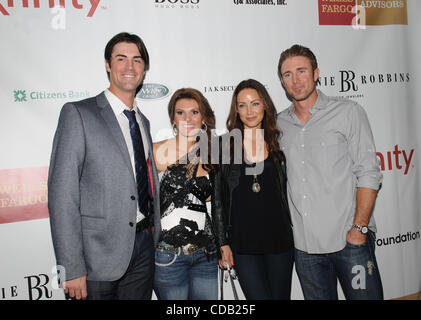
189 249
167 247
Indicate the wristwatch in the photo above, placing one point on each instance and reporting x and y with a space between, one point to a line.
362 229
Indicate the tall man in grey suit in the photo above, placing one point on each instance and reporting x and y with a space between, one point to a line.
103 185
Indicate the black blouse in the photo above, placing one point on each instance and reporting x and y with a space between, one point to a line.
180 188
260 222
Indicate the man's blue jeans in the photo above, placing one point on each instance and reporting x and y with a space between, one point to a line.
185 277
355 266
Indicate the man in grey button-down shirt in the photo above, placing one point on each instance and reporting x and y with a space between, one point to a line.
333 179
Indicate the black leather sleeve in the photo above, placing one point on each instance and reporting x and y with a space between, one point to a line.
218 214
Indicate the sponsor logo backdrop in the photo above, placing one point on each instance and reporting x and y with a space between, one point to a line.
53 53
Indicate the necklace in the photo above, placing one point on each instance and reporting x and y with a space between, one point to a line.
256 186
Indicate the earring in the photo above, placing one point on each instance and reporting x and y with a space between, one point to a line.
174 129
204 127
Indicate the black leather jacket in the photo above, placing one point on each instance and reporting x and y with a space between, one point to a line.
226 179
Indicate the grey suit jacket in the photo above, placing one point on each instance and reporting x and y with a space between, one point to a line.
90 189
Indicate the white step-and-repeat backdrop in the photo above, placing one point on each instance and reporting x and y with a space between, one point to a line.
52 52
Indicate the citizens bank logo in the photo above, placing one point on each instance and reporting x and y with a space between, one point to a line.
361 13
5 5
20 95
152 91
23 96
180 4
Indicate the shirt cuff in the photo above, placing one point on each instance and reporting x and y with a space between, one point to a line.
370 182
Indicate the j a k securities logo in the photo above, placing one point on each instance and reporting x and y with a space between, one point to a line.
361 13
222 88
351 84
6 6
22 96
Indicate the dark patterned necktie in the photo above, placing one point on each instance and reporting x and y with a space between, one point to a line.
139 162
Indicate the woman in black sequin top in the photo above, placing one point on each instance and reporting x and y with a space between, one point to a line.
186 265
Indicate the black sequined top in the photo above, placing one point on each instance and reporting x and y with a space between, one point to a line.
183 206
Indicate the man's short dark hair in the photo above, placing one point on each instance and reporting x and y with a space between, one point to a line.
129 38
294 51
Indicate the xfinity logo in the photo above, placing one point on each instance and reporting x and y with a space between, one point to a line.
397 159
51 3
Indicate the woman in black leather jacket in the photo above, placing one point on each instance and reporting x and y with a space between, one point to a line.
251 219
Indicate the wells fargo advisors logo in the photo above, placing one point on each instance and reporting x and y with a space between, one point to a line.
363 12
23 194
6 5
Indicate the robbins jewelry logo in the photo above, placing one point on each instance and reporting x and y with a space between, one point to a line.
77 4
39 286
152 91
350 84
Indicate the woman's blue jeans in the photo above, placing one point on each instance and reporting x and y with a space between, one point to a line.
185 277
265 276
355 266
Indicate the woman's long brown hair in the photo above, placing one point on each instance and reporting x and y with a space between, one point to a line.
206 111
271 132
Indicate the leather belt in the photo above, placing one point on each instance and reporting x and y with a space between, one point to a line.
186 250
142 225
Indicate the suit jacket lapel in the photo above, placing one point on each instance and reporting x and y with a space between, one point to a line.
114 128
